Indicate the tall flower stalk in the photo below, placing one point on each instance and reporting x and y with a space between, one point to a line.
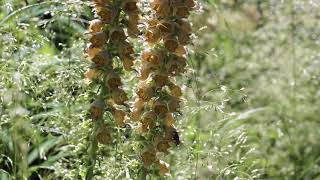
158 96
110 53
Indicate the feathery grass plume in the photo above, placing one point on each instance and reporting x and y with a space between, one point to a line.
115 21
158 97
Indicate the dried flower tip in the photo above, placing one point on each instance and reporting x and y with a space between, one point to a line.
132 26
161 7
166 27
102 2
184 38
180 51
190 3
184 25
171 134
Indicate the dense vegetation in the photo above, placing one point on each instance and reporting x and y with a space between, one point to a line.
251 94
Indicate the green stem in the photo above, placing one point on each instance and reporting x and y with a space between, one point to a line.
142 174
93 153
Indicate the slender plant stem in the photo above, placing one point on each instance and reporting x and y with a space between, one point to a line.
92 152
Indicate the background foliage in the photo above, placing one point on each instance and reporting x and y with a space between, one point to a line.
251 94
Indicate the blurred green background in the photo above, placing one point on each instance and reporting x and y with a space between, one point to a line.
251 101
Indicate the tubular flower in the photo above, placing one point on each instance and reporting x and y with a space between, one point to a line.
158 98
114 21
